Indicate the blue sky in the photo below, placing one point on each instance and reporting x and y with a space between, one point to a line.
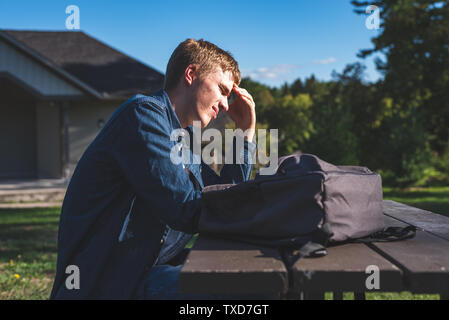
273 41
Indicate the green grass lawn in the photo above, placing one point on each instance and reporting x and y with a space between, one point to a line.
28 239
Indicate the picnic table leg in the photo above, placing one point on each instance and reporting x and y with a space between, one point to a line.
291 295
338 295
313 295
359 296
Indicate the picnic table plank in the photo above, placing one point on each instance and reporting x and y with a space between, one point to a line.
431 222
344 269
229 267
423 259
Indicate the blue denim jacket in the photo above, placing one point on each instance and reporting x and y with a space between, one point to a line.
123 194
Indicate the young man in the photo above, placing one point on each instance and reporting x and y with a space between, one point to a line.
129 210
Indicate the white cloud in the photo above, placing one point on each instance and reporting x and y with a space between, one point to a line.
325 61
271 72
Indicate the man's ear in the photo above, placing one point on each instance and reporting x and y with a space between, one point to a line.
190 73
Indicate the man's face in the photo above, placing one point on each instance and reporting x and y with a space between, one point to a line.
210 94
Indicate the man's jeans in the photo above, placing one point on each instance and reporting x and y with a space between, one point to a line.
162 281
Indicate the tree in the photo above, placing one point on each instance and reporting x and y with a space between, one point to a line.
415 42
297 87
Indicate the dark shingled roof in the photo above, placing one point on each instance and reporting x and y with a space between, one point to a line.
94 63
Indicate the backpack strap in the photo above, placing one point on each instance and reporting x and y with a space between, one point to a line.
312 250
389 234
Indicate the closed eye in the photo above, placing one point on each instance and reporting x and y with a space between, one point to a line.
226 92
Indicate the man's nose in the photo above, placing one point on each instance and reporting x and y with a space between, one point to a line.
224 103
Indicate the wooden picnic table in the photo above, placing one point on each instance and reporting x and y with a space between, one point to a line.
418 265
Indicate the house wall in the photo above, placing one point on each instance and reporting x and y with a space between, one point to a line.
31 141
48 140
17 139
84 126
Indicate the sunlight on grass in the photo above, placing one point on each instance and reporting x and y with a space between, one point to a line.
28 240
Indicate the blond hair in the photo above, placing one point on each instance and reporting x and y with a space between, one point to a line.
206 55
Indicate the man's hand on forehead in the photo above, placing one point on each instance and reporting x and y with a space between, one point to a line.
242 93
242 109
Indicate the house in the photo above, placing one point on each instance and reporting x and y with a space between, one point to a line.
57 89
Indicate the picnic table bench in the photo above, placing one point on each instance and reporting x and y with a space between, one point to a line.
418 265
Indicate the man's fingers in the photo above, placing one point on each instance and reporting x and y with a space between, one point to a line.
238 89
248 100
243 93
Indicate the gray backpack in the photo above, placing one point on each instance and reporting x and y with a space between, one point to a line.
307 204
